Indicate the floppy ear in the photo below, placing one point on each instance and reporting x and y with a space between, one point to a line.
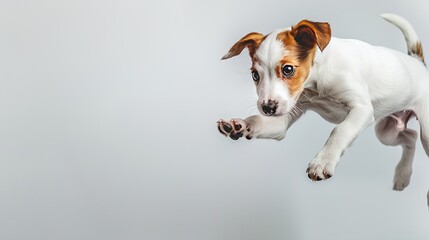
307 34
251 41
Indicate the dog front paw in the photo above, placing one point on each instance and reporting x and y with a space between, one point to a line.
320 169
235 128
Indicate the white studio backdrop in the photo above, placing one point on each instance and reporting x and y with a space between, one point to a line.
108 115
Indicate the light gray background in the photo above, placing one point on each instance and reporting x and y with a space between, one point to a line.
107 127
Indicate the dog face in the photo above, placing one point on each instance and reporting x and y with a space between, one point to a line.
281 62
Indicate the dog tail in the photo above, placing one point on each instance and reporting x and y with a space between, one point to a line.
414 45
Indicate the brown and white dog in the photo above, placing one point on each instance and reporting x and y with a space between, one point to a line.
348 82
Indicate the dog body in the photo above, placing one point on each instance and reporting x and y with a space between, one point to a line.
348 82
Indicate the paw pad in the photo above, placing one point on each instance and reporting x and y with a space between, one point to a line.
235 129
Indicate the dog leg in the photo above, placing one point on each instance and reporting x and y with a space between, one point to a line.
257 126
422 113
393 132
428 198
423 118
323 166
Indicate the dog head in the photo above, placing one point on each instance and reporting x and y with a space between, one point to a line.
281 62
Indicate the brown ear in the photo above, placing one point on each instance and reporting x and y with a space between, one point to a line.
309 33
251 41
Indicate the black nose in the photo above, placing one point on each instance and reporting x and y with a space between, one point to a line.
269 107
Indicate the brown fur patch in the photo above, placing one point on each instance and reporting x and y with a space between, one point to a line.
251 41
310 33
295 83
417 50
301 43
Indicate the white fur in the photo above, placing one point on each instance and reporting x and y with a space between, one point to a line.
269 53
352 84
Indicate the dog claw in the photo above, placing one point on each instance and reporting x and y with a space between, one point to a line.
314 177
220 129
227 127
327 175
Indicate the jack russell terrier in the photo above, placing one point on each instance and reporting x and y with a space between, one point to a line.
347 82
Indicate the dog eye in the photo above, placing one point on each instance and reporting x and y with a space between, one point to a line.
255 76
288 70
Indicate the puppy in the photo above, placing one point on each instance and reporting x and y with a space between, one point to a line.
347 82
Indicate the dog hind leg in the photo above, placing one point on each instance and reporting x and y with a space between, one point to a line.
422 113
392 131
423 118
